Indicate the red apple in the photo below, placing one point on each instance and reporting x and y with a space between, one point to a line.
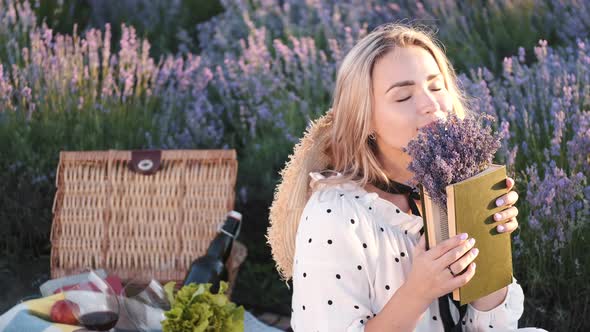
62 311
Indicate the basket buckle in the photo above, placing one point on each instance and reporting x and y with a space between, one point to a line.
146 162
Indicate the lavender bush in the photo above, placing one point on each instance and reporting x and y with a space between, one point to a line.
451 150
474 33
17 19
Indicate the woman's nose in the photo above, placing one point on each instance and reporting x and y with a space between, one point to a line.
428 103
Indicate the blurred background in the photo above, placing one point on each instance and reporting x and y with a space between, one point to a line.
250 75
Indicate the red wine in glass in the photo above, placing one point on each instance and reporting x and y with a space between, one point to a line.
99 320
94 302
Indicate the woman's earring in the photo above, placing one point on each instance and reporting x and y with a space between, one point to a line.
372 136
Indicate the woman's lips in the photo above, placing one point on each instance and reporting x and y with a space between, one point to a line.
437 116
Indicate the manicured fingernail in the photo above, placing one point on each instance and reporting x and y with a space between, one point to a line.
499 202
475 251
463 236
471 241
500 228
497 216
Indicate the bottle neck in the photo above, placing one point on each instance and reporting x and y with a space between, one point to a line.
221 244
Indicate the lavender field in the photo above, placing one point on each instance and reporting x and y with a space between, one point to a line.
252 77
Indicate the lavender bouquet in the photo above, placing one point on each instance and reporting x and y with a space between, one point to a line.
451 150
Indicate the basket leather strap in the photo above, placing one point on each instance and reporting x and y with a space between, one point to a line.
145 162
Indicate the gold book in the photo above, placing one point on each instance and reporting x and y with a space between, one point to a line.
471 205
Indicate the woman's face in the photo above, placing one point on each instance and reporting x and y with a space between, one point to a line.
408 93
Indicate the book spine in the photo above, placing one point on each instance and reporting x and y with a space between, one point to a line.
424 223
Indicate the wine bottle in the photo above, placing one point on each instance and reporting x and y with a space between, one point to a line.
210 268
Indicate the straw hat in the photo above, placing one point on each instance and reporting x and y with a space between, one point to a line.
291 195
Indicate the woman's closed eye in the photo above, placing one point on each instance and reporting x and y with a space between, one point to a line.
408 97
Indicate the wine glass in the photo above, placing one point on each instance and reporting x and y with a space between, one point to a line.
93 302
145 303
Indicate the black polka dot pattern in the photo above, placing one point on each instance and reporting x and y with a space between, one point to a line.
347 254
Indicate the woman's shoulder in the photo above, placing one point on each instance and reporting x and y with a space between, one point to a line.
335 216
335 203
343 193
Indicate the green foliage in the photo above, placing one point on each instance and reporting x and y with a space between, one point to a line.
196 309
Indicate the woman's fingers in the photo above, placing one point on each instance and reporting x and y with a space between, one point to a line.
463 262
462 279
510 183
508 199
506 215
421 246
446 245
510 226
454 256
506 220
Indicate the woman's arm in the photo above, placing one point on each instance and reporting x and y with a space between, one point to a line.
504 316
491 301
401 313
332 270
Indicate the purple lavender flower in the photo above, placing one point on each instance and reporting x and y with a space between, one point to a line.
557 204
452 150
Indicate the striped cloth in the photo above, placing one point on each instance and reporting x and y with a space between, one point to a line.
33 316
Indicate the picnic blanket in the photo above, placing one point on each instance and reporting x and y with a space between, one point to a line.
33 316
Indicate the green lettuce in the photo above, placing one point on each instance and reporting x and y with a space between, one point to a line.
195 309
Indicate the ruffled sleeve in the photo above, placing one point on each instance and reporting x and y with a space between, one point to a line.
331 288
501 318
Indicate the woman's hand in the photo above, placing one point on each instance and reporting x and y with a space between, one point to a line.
506 219
431 278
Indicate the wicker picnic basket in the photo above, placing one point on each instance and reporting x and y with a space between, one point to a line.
141 214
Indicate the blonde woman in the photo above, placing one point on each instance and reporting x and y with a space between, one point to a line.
345 224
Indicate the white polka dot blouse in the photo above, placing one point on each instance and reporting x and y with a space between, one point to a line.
353 251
